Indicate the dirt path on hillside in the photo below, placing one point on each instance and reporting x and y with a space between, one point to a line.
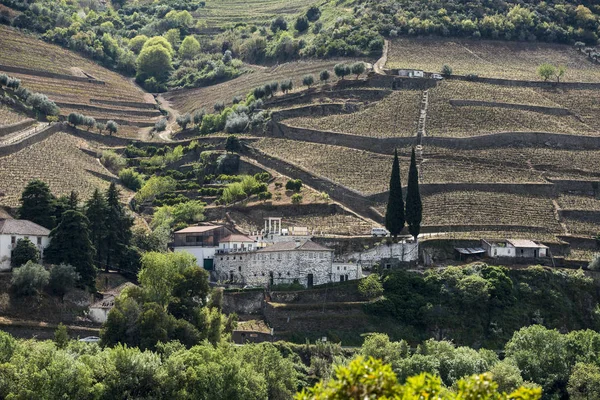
171 119
380 64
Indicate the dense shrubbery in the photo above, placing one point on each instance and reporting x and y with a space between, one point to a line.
485 304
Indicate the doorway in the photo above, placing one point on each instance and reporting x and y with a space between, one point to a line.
310 280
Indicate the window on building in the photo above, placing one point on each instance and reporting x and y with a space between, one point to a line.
240 268
338 268
344 268
190 239
235 246
227 258
234 257
240 258
280 274
13 239
39 240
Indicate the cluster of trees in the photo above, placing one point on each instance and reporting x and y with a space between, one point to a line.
97 235
484 304
31 278
549 71
38 102
562 22
396 215
76 119
245 187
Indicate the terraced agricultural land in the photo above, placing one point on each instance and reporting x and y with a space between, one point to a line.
367 173
9 116
452 171
577 202
188 100
221 13
57 161
579 227
482 208
491 59
583 103
397 115
444 119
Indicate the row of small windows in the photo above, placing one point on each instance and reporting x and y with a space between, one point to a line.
271 256
13 239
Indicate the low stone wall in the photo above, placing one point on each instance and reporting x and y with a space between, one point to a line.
292 99
524 107
46 74
481 228
400 83
133 104
244 302
507 139
581 242
351 199
16 127
532 189
316 110
523 83
28 141
96 137
585 187
140 124
340 293
85 107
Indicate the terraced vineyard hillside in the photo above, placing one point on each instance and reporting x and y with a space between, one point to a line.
490 59
75 83
188 100
58 161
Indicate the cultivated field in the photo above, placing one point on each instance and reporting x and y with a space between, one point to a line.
583 103
222 13
365 172
447 171
397 115
493 59
59 162
444 119
9 116
577 202
482 208
188 100
578 227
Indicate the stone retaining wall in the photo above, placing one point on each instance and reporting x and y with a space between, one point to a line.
46 74
316 110
249 302
292 99
569 185
16 127
142 113
481 228
583 215
400 83
133 104
524 107
28 141
523 83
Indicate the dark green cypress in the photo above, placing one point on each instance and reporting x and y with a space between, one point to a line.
37 204
96 210
394 215
414 207
118 226
70 244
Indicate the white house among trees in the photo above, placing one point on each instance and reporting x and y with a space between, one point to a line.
11 230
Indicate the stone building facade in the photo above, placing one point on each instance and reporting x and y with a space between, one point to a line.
301 261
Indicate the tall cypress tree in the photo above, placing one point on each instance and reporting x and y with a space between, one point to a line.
118 226
414 207
96 211
70 244
394 215
37 204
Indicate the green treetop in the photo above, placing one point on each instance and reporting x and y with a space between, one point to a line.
394 216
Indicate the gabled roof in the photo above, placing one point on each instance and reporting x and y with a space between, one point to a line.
198 229
235 237
526 243
22 227
292 245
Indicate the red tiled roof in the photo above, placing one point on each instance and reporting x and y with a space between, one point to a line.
22 227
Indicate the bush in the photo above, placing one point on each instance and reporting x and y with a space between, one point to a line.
112 127
113 161
259 92
279 23
446 70
594 265
236 100
294 185
22 93
183 120
308 80
370 287
198 115
131 179
61 336
24 252
358 68
63 277
89 122
313 13
236 122
29 279
297 198
301 24
42 104
324 76
286 85
219 106
160 125
75 119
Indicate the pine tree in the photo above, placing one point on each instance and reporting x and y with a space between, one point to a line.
394 216
70 244
414 207
37 204
73 202
97 214
118 226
